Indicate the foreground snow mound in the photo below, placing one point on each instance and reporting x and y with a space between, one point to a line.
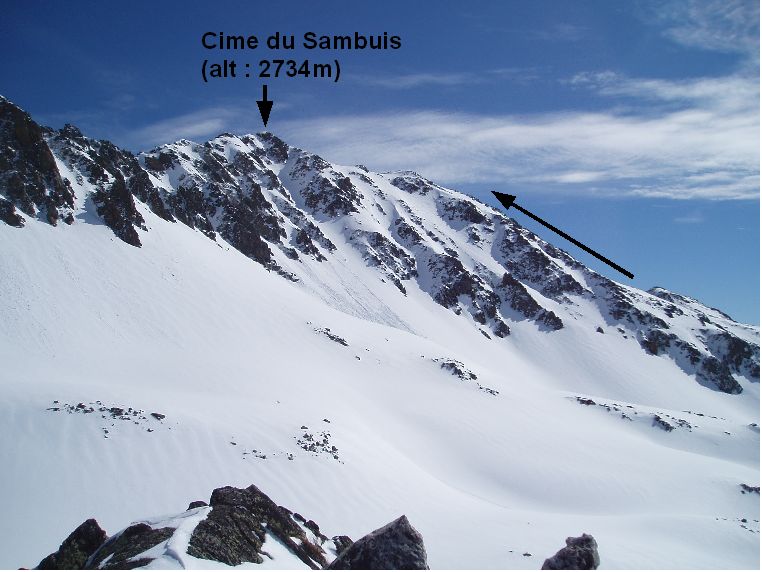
239 527
245 528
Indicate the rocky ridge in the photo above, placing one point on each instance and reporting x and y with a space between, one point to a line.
244 526
293 212
238 526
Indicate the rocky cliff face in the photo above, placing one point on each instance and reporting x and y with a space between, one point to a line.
295 213
29 177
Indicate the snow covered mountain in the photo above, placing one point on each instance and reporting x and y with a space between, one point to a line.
361 344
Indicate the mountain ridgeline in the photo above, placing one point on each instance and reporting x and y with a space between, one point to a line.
298 215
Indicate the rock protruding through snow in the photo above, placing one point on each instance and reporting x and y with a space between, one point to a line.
124 549
396 546
76 549
277 205
237 527
580 553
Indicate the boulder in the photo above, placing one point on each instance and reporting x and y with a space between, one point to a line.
395 546
76 549
580 553
235 530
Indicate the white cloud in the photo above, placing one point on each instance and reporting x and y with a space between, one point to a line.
235 116
724 94
672 138
730 26
697 138
449 79
677 139
199 124
414 80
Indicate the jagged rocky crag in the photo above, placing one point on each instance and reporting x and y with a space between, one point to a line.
295 213
245 526
238 526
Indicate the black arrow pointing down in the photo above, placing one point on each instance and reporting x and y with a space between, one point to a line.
265 106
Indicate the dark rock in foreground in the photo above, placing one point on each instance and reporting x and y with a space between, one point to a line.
395 546
580 553
76 549
235 530
237 526
341 543
119 551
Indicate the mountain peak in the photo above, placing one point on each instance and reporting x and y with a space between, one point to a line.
212 311
290 211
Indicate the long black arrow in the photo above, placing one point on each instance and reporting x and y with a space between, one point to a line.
265 106
509 201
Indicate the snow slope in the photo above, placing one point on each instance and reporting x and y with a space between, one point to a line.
229 353
357 374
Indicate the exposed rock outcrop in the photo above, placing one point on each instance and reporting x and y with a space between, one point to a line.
120 551
76 549
278 205
29 176
237 526
517 297
396 546
394 262
412 183
580 553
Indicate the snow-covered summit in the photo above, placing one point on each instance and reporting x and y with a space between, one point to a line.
242 310
303 217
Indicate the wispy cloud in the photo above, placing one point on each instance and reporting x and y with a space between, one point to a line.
415 80
676 139
695 139
199 124
730 26
449 79
652 137
725 94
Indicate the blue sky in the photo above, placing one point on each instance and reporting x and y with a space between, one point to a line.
633 126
